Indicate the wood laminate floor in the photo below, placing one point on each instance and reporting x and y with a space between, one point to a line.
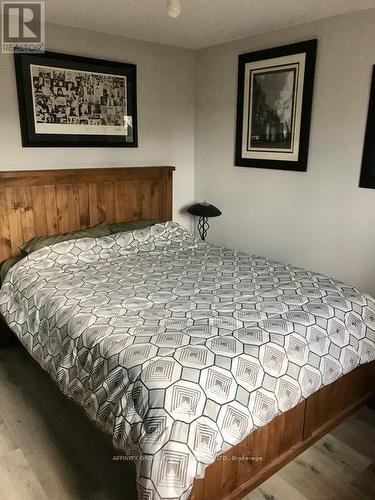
50 451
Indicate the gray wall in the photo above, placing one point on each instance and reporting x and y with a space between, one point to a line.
319 219
165 111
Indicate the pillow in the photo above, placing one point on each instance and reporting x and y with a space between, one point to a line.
119 227
6 265
43 241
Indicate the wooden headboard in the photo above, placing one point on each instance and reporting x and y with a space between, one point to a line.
43 202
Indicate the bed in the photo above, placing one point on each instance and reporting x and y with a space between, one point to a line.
210 367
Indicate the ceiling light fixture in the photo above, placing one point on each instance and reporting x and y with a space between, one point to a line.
173 8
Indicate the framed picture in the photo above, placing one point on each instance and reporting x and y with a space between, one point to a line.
67 100
367 179
275 89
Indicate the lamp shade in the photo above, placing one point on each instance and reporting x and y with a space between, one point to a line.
204 210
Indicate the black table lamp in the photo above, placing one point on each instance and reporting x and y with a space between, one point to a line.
203 211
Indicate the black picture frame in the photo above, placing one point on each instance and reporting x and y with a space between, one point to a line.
367 177
126 75
266 158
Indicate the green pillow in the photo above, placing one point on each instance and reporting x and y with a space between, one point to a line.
6 265
120 227
43 241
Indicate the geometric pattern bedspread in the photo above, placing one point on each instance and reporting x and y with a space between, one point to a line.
179 349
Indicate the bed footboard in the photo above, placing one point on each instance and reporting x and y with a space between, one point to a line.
265 451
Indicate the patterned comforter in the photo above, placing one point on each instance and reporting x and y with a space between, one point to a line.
179 349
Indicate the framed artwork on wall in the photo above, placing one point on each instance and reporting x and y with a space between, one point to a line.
67 100
274 98
367 178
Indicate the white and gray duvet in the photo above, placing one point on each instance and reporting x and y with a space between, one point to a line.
179 349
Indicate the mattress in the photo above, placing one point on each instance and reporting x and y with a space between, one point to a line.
179 349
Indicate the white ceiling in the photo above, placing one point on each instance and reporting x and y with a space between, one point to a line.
201 23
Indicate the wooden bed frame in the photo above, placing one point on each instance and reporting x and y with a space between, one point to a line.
265 451
44 202
35 203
